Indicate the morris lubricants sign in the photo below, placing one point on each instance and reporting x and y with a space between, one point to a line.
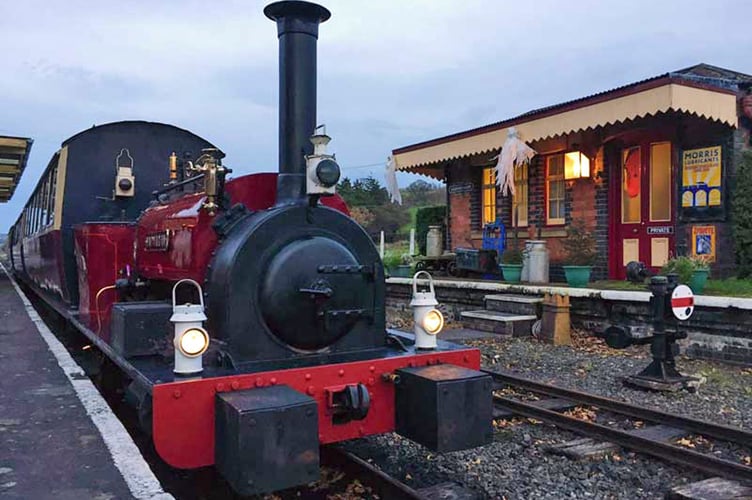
701 177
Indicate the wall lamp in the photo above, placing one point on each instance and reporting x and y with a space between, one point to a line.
576 165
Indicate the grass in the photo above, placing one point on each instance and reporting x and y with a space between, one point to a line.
730 287
618 285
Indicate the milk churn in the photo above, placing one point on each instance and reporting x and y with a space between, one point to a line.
537 255
434 242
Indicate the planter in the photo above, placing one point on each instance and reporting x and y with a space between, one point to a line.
698 280
511 272
401 271
577 276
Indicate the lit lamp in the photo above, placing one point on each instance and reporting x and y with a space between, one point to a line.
428 321
191 340
576 165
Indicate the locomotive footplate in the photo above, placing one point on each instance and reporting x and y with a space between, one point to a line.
352 400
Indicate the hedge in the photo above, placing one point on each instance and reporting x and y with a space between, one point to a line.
424 217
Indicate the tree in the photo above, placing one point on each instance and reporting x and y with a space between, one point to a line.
366 192
418 192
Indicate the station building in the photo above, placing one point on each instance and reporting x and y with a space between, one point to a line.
648 167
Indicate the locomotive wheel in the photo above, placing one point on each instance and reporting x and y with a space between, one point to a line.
451 268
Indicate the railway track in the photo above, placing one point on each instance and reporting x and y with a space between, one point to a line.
655 439
382 484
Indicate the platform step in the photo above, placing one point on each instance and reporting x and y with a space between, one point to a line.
517 325
514 304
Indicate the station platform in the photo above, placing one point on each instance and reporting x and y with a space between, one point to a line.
58 437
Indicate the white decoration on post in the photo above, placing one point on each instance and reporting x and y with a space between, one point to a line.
514 153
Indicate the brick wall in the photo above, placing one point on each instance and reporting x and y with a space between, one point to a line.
463 190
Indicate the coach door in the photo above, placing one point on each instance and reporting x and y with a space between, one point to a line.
645 218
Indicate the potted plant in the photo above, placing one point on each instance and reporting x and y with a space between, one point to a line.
511 263
700 275
580 251
405 267
691 271
391 261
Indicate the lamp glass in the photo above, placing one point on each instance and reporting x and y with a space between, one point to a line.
194 342
433 322
576 165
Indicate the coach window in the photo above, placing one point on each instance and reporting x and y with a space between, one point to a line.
53 189
488 196
34 213
555 190
43 198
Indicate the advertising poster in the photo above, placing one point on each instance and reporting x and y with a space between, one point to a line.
701 177
704 242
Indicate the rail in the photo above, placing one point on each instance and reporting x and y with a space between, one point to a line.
629 439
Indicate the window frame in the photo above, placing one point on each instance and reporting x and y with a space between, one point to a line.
486 188
549 179
519 182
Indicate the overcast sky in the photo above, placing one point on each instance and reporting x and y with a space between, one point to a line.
391 72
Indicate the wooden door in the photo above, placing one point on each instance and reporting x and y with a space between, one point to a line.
645 213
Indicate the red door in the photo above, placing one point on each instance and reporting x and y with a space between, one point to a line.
644 214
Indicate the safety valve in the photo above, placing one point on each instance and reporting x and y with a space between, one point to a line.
428 320
191 340
322 171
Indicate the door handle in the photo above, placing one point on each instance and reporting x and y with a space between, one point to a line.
634 230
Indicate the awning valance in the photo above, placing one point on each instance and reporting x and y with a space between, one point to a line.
659 96
14 152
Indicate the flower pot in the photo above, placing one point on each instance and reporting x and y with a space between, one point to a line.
511 272
577 276
698 280
401 271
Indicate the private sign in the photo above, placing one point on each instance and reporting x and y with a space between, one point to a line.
682 302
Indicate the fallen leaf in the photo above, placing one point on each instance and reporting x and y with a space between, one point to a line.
685 442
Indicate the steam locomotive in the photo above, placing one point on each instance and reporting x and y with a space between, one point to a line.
247 313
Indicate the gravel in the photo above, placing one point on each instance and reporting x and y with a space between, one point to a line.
517 465
591 366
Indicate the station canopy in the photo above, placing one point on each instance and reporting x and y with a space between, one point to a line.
14 152
684 91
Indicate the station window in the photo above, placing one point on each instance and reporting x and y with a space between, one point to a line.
555 189
520 198
488 196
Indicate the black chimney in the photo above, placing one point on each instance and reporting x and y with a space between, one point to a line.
298 30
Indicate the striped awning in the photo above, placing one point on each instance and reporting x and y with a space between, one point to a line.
608 108
14 152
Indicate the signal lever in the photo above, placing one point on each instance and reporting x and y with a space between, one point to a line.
661 373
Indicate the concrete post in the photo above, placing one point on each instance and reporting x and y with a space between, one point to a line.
555 324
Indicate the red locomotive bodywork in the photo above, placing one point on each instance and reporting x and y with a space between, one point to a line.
182 238
103 250
184 411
